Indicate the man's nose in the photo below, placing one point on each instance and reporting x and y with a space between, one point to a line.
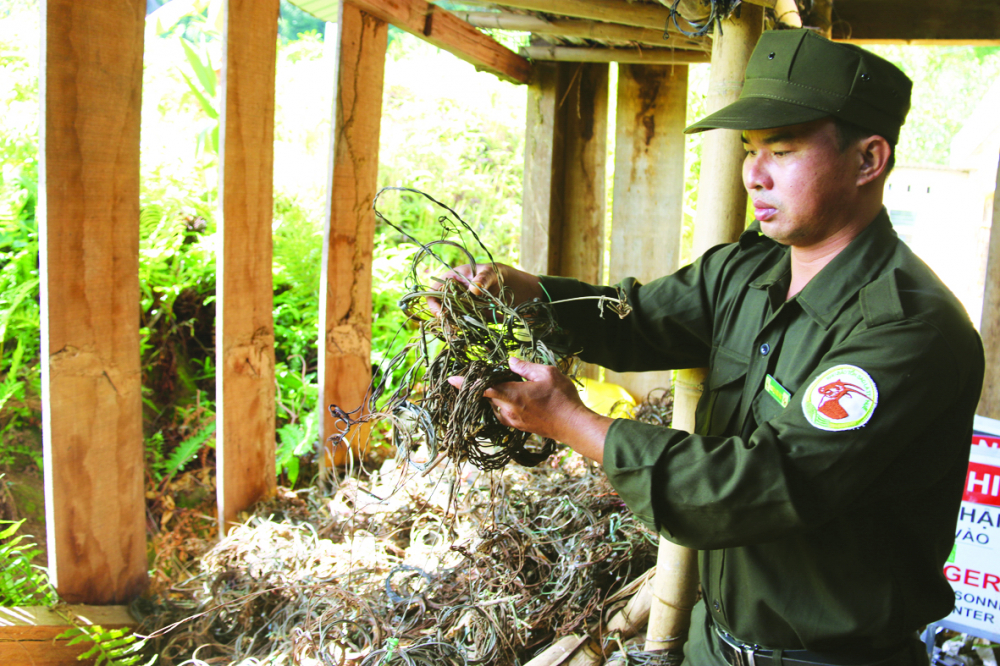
755 174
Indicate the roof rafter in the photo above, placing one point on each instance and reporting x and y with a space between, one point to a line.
642 15
629 56
584 29
450 33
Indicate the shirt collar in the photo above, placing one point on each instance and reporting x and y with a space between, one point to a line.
855 266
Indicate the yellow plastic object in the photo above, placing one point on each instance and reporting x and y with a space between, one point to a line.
605 398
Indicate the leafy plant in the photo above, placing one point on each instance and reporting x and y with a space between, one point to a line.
22 583
109 647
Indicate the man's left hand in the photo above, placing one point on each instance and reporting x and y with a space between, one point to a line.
547 403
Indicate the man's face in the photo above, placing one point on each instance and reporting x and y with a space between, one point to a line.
802 186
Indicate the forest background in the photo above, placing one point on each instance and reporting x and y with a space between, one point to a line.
446 129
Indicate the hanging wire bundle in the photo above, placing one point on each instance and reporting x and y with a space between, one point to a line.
718 10
411 580
473 336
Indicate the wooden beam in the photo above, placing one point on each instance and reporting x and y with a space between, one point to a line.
349 227
972 22
449 33
245 326
989 328
562 229
91 85
572 28
28 633
542 210
647 212
640 14
626 56
585 106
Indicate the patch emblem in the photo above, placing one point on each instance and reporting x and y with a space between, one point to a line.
842 398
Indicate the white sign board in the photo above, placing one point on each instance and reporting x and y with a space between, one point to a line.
974 566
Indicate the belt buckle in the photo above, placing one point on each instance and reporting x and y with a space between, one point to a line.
743 653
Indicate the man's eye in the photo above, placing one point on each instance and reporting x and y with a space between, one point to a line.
780 153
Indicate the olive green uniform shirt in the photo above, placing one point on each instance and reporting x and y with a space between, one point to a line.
809 538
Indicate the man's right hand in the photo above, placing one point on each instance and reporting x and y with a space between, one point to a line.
519 286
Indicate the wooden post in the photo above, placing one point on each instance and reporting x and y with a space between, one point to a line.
542 212
562 230
989 403
245 327
91 85
349 228
720 218
585 105
648 201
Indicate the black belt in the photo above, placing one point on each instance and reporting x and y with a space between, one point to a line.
738 653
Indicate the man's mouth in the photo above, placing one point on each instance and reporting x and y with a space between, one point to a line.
763 211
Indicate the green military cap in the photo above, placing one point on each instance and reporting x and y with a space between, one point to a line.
796 76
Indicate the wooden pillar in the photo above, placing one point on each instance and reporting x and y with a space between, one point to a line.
566 144
91 85
245 328
720 218
648 201
989 403
349 228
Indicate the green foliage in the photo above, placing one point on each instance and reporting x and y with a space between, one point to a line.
109 647
293 23
948 83
22 583
19 313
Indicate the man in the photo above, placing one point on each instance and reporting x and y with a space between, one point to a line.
823 479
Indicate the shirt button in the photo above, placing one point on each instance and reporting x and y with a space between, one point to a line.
716 606
764 349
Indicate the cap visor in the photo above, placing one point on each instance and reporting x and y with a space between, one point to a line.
750 113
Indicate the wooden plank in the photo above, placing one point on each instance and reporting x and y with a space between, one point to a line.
28 634
619 55
974 22
989 328
541 209
562 226
640 14
349 228
647 212
572 28
245 327
89 258
450 33
562 229
585 118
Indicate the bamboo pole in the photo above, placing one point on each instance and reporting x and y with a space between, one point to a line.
583 29
786 12
720 219
821 17
625 56
558 652
989 404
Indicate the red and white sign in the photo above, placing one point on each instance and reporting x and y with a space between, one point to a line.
974 566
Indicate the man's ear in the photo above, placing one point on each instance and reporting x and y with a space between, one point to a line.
874 152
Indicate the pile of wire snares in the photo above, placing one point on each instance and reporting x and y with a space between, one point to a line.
473 336
398 574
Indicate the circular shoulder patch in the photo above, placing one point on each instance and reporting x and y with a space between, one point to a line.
842 398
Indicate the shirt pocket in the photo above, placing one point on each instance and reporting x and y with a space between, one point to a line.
720 403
